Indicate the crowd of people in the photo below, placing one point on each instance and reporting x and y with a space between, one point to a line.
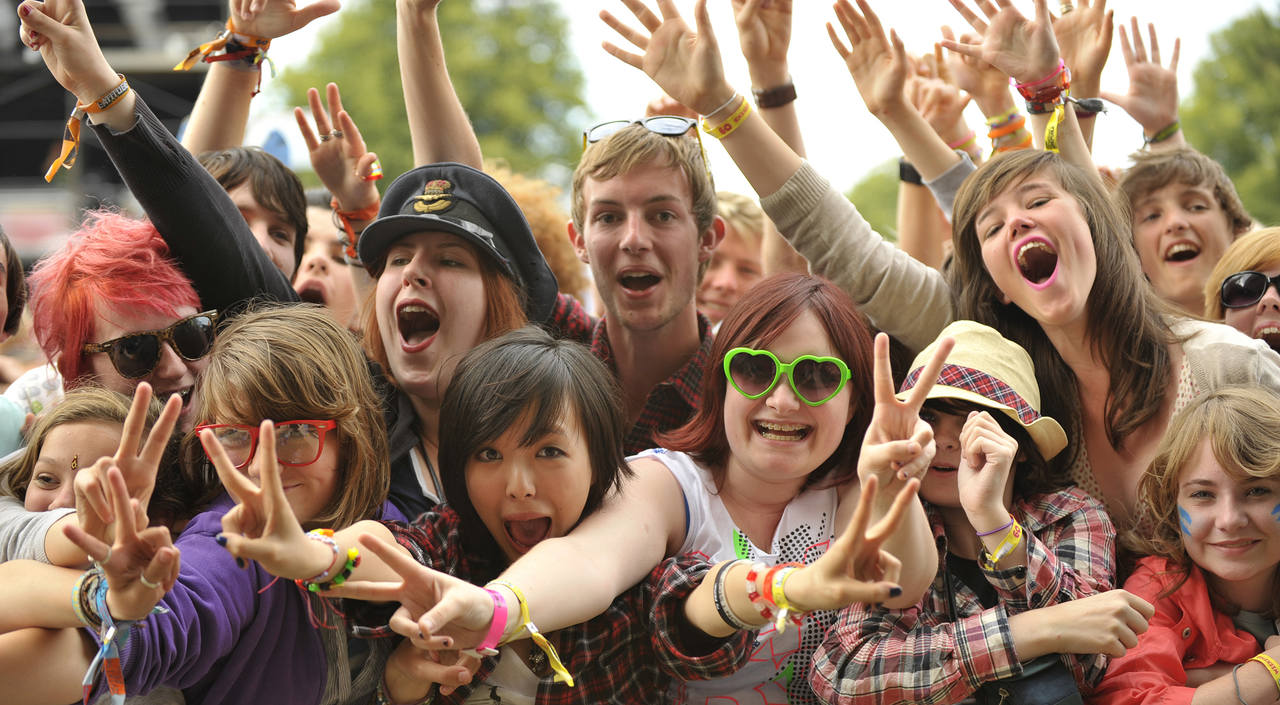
360 445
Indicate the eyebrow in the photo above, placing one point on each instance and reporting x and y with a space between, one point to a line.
658 198
1019 189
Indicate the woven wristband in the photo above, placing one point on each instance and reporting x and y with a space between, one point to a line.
71 132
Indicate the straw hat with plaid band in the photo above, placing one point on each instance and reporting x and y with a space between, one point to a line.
987 369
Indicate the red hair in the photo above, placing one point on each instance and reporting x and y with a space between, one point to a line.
113 261
759 317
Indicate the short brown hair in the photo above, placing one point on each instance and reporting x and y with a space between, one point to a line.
633 146
294 362
1124 318
1155 170
759 317
274 186
1257 251
1239 425
504 308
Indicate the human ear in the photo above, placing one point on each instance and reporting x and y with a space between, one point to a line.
578 241
710 238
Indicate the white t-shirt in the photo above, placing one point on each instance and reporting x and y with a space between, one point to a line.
777 671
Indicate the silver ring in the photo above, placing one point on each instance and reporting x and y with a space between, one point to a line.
325 138
147 583
336 134
1066 7
105 558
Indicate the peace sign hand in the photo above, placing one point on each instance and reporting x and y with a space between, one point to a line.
855 568
262 525
141 565
897 439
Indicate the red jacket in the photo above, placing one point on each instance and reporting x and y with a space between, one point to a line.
1186 632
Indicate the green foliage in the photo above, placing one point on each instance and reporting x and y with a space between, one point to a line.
1233 115
511 64
876 197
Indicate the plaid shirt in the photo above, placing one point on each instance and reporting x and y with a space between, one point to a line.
628 654
669 404
918 655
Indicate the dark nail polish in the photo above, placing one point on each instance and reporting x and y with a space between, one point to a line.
895 591
240 563
25 10
448 643
222 540
422 636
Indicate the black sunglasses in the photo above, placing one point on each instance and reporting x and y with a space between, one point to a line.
137 354
1244 289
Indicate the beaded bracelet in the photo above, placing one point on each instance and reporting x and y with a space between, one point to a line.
753 591
353 562
722 602
324 536
562 674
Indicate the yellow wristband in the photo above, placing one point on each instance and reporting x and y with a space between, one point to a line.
730 124
1005 547
1271 665
561 673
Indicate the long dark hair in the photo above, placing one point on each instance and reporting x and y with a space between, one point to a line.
526 374
1124 317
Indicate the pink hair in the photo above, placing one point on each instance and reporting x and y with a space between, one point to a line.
114 261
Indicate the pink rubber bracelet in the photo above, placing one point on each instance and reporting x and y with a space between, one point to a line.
497 626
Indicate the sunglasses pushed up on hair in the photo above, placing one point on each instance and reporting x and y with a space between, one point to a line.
665 125
814 379
137 354
1244 289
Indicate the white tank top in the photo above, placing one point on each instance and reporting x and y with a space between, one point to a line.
778 669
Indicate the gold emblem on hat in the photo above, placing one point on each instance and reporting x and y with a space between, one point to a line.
436 197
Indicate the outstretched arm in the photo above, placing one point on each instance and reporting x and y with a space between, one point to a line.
438 124
222 108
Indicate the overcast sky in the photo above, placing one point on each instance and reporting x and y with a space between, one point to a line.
843 140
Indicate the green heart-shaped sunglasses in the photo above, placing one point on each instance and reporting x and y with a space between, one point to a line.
815 379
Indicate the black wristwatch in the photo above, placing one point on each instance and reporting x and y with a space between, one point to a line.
907 173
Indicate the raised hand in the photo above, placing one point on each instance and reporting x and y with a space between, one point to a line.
939 101
988 85
764 33
879 65
1152 99
897 439
338 153
275 18
60 30
262 525
437 611
141 565
1023 49
137 462
986 460
854 568
684 63
1084 37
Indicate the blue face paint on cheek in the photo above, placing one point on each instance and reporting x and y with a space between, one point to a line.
1275 513
1184 520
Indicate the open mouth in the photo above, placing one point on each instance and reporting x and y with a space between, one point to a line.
942 468
524 534
1037 262
782 431
1269 334
638 281
418 323
312 292
1181 252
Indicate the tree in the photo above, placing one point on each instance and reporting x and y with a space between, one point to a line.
511 65
876 197
1233 115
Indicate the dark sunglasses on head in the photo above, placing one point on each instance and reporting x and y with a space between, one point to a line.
1246 288
137 354
815 380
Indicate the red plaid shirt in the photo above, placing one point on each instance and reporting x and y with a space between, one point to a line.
918 655
628 654
671 403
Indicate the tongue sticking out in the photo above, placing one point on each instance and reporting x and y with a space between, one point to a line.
1037 261
638 282
417 323
527 533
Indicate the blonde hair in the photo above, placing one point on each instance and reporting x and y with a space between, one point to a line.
294 362
1239 425
746 217
80 405
1256 251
